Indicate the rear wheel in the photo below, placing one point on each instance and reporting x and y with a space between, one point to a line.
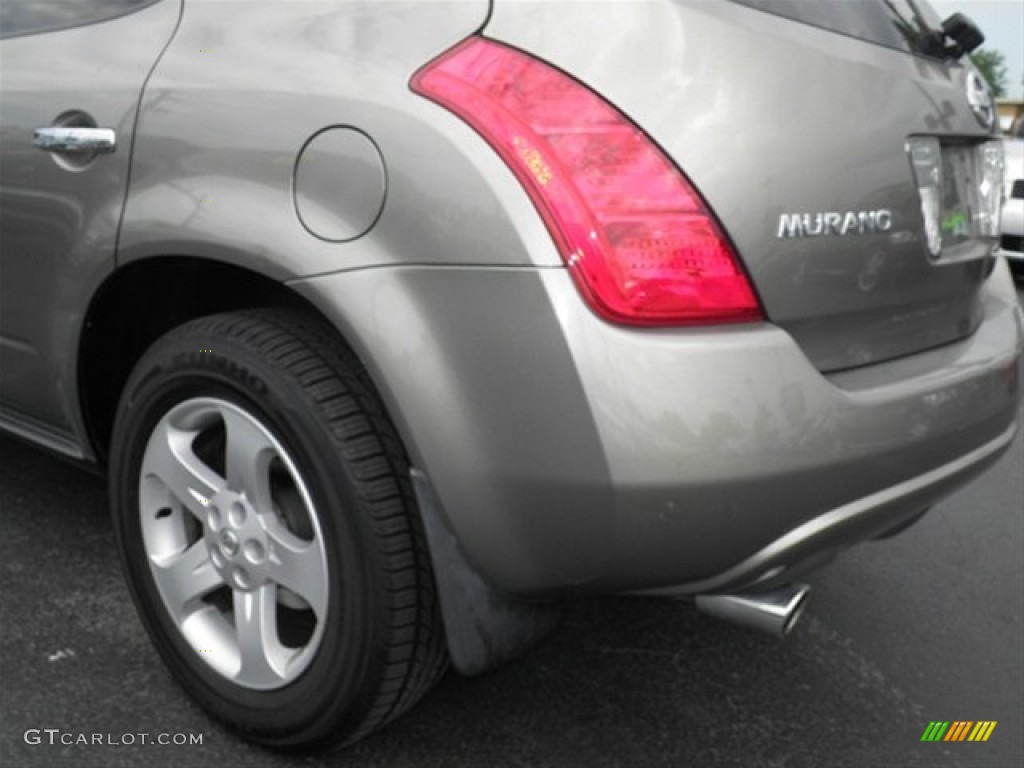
268 530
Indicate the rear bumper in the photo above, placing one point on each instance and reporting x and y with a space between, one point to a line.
570 456
816 540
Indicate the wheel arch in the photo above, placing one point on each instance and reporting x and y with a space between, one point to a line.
141 301
145 299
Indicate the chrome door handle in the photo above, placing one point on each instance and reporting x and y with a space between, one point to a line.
75 141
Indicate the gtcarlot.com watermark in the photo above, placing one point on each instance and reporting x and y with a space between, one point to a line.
56 737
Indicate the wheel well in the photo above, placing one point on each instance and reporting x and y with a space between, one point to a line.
145 300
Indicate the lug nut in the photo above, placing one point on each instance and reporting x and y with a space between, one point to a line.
229 543
253 551
236 514
242 578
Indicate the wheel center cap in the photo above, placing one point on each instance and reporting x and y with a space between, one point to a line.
237 542
229 543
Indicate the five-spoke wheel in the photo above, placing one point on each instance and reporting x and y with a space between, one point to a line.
233 542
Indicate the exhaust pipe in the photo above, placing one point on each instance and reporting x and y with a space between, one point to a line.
774 611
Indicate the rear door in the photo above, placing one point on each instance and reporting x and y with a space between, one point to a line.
65 66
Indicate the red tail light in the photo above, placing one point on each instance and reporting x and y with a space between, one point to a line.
639 242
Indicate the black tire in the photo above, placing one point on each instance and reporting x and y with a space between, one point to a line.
381 643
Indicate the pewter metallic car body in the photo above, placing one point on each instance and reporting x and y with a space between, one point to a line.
567 454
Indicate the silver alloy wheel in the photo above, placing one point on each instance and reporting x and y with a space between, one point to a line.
233 543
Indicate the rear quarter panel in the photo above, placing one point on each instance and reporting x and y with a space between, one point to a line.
242 88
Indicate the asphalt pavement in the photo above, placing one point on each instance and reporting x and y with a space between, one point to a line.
927 626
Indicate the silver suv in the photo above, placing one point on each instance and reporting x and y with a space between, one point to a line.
397 323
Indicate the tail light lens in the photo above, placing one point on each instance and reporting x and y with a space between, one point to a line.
640 244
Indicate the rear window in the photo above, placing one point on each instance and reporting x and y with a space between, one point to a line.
900 24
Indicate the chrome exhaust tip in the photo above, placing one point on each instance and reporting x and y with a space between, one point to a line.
774 611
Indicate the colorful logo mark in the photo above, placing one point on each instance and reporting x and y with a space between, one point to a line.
958 730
